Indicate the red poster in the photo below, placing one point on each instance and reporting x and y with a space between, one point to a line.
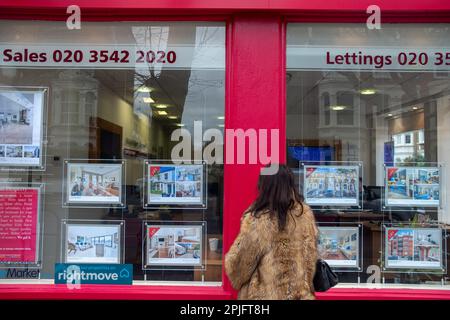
18 225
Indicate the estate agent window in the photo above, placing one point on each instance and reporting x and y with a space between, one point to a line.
86 135
367 133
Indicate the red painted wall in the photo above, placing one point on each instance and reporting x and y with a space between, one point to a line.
255 96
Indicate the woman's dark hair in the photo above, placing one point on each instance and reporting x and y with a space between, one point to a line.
277 194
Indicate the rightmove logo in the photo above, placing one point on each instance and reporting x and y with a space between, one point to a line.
74 275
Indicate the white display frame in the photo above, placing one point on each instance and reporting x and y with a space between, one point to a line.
358 229
40 187
67 202
328 204
118 225
148 203
388 203
389 268
42 125
176 265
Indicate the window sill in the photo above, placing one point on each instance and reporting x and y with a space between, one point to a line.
46 291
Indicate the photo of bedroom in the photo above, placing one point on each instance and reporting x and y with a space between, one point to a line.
94 183
174 245
92 243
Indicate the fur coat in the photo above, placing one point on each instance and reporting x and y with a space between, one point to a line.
264 263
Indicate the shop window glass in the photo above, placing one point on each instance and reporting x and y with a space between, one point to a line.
390 117
123 91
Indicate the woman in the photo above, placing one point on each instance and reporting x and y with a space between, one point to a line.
274 256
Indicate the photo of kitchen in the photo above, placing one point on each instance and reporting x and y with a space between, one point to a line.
174 245
326 185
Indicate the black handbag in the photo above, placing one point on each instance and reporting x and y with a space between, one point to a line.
324 278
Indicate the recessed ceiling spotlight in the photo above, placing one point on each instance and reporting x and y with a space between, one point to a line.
390 114
148 100
368 91
161 106
338 108
144 89
162 113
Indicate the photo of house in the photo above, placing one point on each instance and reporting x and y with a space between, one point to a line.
415 248
87 243
94 183
412 186
175 184
339 246
400 244
174 245
427 245
327 185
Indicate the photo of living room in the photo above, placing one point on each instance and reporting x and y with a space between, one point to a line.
339 246
94 183
410 185
20 125
174 245
92 243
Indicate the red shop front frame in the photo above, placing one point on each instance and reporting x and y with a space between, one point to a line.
255 97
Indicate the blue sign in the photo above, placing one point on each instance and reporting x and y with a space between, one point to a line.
69 273
389 153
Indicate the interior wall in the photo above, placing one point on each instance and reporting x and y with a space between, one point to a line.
443 146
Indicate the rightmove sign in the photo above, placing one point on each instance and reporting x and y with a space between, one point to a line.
78 274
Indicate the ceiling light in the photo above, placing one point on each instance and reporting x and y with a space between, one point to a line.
221 117
160 106
368 91
162 113
180 124
221 125
415 108
148 100
172 117
338 108
144 89
389 114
